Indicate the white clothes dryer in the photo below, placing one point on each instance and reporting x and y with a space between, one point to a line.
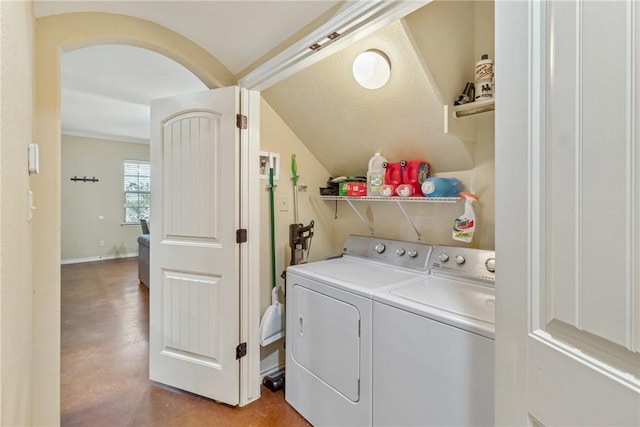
329 326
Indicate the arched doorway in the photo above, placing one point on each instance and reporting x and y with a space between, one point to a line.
105 95
54 35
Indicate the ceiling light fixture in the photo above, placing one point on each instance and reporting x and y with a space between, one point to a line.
372 69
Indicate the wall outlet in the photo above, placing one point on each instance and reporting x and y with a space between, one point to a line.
283 203
101 242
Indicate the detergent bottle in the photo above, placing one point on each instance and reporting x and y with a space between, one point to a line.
464 226
484 78
392 178
375 175
436 186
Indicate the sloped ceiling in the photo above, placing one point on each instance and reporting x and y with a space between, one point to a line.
344 124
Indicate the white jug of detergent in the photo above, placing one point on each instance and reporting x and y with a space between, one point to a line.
375 175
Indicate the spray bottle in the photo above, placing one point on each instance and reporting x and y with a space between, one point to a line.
465 225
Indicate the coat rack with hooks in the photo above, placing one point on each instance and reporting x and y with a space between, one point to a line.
85 179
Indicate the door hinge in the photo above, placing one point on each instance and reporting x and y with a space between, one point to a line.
241 235
241 121
241 350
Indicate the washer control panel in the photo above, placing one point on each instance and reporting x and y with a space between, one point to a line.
473 264
396 253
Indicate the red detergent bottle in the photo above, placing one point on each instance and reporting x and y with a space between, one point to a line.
393 175
414 173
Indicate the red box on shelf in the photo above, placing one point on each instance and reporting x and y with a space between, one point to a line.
356 189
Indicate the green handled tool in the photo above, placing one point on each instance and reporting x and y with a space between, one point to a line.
294 173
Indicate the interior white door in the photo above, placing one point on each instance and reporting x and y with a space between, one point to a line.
568 213
194 289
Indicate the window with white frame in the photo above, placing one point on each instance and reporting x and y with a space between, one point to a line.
137 191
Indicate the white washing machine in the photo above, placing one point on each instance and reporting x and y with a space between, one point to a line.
433 344
329 326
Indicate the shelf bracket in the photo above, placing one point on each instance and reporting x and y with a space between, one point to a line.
406 216
363 219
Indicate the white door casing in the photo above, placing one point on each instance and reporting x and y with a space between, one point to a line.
195 260
567 213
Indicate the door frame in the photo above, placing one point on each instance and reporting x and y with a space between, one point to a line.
250 379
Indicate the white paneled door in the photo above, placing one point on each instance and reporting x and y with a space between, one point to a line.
195 261
568 213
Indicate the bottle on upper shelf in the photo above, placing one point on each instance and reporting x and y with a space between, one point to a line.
484 78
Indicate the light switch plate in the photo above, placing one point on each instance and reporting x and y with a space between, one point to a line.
30 207
34 158
283 204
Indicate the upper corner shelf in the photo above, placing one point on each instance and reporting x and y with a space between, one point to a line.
475 107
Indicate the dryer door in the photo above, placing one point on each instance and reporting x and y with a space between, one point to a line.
326 339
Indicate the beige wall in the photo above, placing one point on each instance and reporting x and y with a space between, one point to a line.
84 202
54 35
433 221
16 120
442 32
276 137
450 67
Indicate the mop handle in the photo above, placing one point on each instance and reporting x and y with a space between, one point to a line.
273 229
294 172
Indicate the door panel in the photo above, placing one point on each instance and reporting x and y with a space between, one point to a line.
573 183
191 146
194 290
191 318
588 187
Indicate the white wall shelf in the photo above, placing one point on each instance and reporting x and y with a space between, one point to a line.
390 199
397 200
473 108
465 129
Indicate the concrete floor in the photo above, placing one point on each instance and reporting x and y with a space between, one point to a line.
104 361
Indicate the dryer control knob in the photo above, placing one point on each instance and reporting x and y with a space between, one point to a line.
413 253
380 248
400 251
491 264
460 259
444 257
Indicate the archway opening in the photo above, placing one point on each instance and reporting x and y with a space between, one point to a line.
105 192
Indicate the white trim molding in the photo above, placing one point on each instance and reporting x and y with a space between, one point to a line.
98 258
355 21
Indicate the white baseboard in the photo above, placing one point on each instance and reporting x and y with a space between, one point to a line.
98 258
271 370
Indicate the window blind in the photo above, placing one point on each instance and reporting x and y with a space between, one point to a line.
137 191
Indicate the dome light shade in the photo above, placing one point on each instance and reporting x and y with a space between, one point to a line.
372 69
